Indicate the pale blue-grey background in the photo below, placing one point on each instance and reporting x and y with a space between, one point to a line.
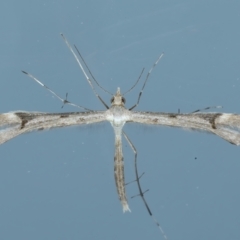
59 185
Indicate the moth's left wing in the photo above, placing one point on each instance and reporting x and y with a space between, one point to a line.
225 125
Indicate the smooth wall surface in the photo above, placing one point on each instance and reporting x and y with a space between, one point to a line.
59 184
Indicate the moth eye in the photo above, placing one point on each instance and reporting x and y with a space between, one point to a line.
112 99
123 100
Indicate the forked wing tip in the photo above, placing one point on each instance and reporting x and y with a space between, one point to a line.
126 208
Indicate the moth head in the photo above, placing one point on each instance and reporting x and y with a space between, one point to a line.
118 99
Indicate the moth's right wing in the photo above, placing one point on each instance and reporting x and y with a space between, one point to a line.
13 124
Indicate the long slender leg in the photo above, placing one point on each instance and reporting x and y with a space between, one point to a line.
64 101
83 71
140 94
141 193
206 108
